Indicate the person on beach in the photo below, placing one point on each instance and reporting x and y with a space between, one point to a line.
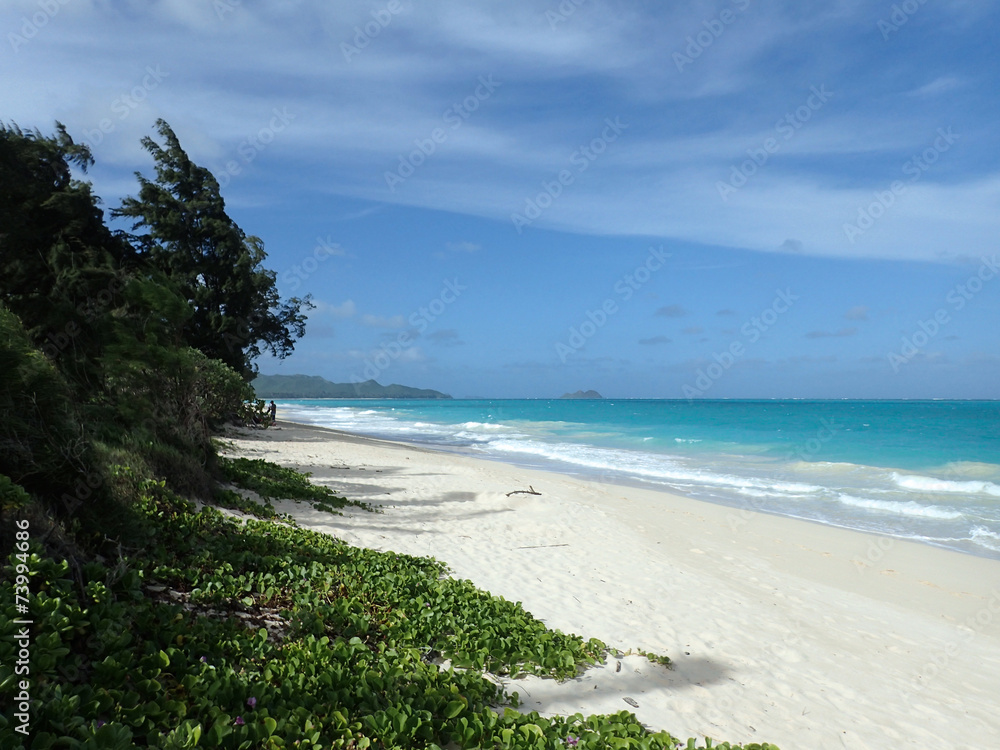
272 409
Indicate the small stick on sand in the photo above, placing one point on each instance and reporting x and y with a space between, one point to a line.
529 491
540 546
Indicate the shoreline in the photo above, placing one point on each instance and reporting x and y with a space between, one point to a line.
637 483
780 630
945 505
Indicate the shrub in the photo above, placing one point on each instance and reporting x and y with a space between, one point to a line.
43 445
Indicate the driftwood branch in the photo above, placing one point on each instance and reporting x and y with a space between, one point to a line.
540 546
529 491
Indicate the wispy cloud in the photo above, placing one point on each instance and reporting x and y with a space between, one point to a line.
654 340
458 248
354 120
346 309
671 311
937 86
445 337
827 334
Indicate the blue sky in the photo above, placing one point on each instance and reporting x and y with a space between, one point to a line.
717 199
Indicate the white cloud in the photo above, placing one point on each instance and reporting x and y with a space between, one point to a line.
346 309
353 120
938 86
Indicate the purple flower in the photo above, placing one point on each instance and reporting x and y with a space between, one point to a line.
252 702
204 660
101 723
571 741
239 721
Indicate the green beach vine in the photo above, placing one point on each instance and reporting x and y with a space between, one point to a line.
222 634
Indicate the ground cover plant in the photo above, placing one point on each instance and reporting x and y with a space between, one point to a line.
214 633
271 482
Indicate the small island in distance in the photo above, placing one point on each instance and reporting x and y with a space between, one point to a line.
314 386
582 394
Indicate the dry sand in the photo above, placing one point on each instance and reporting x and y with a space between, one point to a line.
780 630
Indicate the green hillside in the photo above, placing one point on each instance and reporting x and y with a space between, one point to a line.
313 386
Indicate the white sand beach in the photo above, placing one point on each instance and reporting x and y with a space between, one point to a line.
780 630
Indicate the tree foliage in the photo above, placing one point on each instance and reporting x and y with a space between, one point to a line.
43 446
238 313
98 342
59 263
138 345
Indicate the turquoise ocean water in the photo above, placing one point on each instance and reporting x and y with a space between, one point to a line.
923 470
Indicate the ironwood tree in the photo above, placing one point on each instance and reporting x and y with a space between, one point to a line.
216 266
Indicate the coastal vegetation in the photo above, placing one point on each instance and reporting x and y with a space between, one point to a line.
135 612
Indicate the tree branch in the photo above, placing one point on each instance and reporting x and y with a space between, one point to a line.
529 491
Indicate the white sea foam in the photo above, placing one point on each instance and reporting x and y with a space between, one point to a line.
932 484
472 437
902 507
487 426
985 538
646 466
753 492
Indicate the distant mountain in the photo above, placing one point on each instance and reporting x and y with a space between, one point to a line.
582 394
313 386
